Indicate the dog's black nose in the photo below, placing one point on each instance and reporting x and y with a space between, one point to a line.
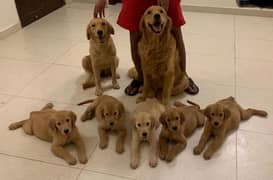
111 123
216 123
175 128
157 16
99 33
144 134
66 131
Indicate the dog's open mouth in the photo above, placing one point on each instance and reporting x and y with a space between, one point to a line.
101 39
156 27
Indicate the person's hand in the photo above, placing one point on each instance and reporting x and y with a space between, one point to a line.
99 8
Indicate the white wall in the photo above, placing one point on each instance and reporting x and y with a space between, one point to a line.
8 15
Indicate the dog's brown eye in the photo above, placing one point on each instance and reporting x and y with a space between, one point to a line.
106 114
148 124
177 118
161 11
138 125
58 123
115 113
103 24
212 114
221 114
93 25
168 120
67 120
149 12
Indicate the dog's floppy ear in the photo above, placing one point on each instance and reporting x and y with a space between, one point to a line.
182 117
121 110
110 28
142 24
88 29
207 111
52 124
154 122
100 112
73 116
162 119
227 113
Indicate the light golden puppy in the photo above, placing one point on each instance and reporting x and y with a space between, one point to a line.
159 56
102 59
178 123
110 114
57 127
145 121
223 117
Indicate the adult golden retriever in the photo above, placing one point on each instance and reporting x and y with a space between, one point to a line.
162 74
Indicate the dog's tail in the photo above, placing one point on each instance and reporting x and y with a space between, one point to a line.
132 73
85 102
16 125
194 104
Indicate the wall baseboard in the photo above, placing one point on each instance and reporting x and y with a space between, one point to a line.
10 30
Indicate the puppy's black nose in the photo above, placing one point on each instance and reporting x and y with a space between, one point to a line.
157 16
216 123
175 128
99 33
144 134
66 131
111 123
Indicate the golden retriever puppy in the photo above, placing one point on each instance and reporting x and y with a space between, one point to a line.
102 57
223 117
110 114
162 74
145 121
57 127
178 123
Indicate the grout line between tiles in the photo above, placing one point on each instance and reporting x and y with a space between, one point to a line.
256 132
109 174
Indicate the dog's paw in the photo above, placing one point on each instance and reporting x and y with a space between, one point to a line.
140 99
103 145
116 86
119 149
207 155
98 92
162 156
153 162
169 158
83 159
83 118
71 161
197 150
134 164
12 126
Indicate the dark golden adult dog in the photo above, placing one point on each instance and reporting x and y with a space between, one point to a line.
223 117
102 59
162 74
57 127
110 114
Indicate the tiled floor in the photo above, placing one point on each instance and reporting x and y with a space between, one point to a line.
227 55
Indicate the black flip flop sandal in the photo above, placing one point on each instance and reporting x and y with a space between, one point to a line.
133 88
193 89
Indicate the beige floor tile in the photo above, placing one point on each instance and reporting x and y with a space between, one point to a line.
12 168
86 175
254 159
15 75
260 99
4 99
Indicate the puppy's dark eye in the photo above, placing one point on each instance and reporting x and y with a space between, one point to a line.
67 120
106 114
221 114
148 124
115 113
168 120
149 12
58 123
212 114
161 11
177 118
103 24
138 125
93 25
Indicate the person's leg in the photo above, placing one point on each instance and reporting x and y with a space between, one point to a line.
134 86
176 31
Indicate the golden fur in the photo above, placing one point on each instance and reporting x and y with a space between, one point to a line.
145 121
162 74
57 127
178 123
223 117
102 57
110 114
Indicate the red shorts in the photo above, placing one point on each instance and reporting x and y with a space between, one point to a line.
132 11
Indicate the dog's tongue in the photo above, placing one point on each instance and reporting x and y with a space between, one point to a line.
157 28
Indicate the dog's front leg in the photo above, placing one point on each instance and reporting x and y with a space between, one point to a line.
203 141
134 152
103 138
121 141
114 77
146 89
153 152
214 146
80 147
167 88
163 147
97 82
89 113
60 152
176 149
